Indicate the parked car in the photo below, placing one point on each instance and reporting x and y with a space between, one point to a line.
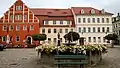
1 47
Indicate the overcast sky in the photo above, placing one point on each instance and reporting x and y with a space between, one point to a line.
112 6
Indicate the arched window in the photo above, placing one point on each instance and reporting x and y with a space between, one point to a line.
82 11
93 11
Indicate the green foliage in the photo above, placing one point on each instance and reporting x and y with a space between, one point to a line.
111 37
72 36
39 37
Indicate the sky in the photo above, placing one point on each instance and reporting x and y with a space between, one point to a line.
111 6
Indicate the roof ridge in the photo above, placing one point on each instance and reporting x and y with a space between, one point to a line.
52 8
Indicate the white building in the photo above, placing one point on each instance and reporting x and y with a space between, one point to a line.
116 26
92 24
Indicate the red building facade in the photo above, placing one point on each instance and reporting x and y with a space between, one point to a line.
18 24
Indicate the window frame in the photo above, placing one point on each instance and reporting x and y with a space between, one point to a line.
31 27
66 30
18 8
55 30
4 28
24 27
49 30
4 38
11 27
17 27
17 38
84 20
98 29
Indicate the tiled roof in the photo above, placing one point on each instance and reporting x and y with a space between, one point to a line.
52 12
87 11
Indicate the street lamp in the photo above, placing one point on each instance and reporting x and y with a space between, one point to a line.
58 39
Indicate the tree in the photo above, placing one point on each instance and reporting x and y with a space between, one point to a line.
39 37
71 36
112 37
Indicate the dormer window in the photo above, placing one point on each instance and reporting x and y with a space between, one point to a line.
92 11
102 11
18 7
82 11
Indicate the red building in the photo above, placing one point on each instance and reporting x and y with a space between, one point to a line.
20 22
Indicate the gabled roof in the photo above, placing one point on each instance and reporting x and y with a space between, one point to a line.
87 11
52 12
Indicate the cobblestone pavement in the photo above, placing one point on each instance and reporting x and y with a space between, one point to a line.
27 58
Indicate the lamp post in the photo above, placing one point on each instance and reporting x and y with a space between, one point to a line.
58 39
58 35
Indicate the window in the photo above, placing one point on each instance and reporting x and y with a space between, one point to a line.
31 27
11 27
93 20
79 29
4 27
3 38
94 29
103 39
17 27
89 39
89 30
54 22
55 40
25 17
98 29
103 20
88 20
49 39
66 30
61 22
11 17
92 11
60 39
99 39
72 30
55 31
18 17
79 20
82 11
103 29
83 20
43 30
17 38
60 30
49 30
18 7
107 20
84 29
24 27
68 22
46 22
98 20
108 30
94 39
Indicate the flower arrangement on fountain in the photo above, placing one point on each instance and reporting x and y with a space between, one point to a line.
76 49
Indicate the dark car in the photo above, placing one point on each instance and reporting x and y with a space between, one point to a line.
2 47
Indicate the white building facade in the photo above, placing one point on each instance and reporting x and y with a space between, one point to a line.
92 24
52 32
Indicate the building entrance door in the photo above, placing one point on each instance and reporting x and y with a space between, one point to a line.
29 40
